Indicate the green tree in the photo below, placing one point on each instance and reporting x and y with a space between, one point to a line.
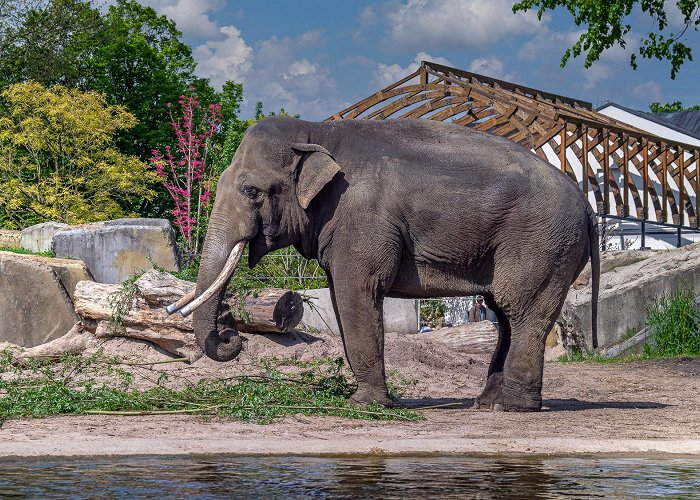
51 43
606 25
669 107
58 159
143 66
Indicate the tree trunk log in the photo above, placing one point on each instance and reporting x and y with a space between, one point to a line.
269 310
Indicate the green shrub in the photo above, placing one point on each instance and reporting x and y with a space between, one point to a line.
674 323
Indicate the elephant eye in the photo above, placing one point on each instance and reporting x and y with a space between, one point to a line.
251 191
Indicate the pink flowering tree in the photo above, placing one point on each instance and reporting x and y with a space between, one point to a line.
187 169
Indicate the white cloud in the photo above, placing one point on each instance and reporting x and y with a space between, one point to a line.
675 18
491 66
595 74
458 23
386 74
281 78
190 16
224 59
649 91
548 45
273 71
367 18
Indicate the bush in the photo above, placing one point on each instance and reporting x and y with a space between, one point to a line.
674 323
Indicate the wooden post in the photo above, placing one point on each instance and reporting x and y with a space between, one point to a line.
664 181
625 174
681 187
697 188
606 171
562 151
645 179
584 158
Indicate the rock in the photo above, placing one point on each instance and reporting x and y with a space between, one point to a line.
36 308
472 338
400 315
113 250
39 237
69 272
625 293
610 261
10 239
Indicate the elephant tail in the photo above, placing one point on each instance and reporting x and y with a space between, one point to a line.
595 273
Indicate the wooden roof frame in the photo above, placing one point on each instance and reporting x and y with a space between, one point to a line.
640 173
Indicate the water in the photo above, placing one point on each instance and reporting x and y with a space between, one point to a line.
308 477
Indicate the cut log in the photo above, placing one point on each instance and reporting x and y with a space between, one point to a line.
144 316
270 310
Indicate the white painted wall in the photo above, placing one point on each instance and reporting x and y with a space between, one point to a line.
647 125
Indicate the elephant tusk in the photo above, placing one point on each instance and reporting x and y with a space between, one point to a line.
183 301
224 276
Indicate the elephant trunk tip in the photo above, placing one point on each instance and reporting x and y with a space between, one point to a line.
223 346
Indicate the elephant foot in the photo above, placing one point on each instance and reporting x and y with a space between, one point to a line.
366 395
501 394
491 391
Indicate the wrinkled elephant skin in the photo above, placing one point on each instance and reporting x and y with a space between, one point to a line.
406 208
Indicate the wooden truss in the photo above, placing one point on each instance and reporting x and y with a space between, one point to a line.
645 177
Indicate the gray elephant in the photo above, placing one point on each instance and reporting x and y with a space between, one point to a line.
404 208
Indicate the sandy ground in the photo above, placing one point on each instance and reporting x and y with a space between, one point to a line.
628 408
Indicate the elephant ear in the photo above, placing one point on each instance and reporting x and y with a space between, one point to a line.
315 167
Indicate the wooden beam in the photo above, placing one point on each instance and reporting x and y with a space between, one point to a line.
606 170
664 181
562 153
681 188
584 158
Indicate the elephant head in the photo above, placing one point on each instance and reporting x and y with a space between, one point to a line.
263 199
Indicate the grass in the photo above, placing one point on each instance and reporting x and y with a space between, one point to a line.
27 252
79 385
674 324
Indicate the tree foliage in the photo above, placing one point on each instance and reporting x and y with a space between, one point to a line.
606 26
58 159
187 170
49 42
670 107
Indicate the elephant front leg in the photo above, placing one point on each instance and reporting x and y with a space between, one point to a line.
360 316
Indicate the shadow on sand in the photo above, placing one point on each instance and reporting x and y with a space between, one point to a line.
548 405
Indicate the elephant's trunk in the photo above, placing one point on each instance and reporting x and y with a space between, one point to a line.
219 258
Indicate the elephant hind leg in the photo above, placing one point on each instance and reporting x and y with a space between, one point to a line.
519 386
492 389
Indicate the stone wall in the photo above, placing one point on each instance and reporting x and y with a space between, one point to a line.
113 250
400 315
35 298
626 290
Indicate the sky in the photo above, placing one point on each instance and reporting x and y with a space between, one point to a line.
315 57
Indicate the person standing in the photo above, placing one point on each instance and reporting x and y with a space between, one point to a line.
478 311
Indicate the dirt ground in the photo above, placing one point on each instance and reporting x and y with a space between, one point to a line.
626 408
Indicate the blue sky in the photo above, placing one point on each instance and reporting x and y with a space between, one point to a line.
316 57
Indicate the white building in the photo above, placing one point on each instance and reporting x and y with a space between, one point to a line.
681 126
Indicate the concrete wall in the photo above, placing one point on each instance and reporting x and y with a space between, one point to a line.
625 294
35 304
112 250
400 315
39 237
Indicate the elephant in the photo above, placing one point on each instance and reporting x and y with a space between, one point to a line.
406 208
